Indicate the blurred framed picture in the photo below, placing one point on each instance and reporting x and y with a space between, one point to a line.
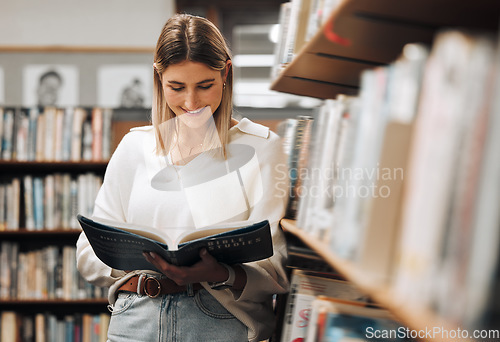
125 86
50 85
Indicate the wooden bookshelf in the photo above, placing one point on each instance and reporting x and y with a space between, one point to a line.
48 166
361 34
59 302
415 318
25 234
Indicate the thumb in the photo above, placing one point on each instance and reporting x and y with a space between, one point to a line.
205 256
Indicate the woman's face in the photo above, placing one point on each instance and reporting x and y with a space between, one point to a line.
193 91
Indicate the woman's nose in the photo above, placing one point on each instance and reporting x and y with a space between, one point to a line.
191 100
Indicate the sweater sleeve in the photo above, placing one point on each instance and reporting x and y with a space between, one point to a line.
267 277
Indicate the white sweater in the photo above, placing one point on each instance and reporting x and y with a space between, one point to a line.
127 195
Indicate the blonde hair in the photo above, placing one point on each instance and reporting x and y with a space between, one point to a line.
190 38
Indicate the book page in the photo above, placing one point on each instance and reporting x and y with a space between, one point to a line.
211 230
146 231
190 234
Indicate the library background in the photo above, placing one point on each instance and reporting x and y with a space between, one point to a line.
389 112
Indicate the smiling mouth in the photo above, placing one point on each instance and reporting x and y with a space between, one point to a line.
196 111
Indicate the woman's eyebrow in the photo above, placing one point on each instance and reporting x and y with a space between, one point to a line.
201 82
207 80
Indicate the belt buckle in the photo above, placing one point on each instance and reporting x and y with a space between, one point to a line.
158 287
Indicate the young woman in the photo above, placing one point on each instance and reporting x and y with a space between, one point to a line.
195 166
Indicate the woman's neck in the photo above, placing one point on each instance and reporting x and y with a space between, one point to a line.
191 137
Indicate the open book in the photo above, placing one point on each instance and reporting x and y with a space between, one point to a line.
120 245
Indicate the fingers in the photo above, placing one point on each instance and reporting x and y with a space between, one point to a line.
204 270
178 274
206 257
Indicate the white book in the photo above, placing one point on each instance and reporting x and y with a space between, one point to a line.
302 22
67 133
307 200
22 130
476 117
13 204
97 133
362 173
32 133
5 274
107 133
9 328
29 215
314 22
433 166
280 48
50 133
483 262
328 7
49 201
291 33
77 134
59 133
321 216
40 138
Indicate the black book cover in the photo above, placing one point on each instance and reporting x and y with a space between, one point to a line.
120 248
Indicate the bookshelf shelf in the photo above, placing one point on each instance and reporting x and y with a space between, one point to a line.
58 302
61 307
361 34
415 318
49 166
34 234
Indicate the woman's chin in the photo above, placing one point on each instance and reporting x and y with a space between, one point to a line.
196 119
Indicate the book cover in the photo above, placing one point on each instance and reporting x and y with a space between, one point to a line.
121 246
297 162
1 131
348 321
21 127
7 138
305 287
32 132
97 131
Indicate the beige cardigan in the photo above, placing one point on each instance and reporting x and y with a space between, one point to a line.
127 196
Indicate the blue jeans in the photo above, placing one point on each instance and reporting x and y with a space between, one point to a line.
173 318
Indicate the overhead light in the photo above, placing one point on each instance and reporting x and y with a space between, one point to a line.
244 61
274 33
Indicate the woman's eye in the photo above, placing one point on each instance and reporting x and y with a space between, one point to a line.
176 89
206 87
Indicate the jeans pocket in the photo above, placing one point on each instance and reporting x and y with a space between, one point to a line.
211 306
123 302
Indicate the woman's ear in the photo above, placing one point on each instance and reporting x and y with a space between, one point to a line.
229 65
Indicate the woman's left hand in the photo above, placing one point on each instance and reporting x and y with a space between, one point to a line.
207 269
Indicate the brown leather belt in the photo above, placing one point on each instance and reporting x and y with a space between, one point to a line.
153 287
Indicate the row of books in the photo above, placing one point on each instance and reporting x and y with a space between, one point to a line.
47 202
16 327
55 134
403 179
46 273
299 21
323 308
